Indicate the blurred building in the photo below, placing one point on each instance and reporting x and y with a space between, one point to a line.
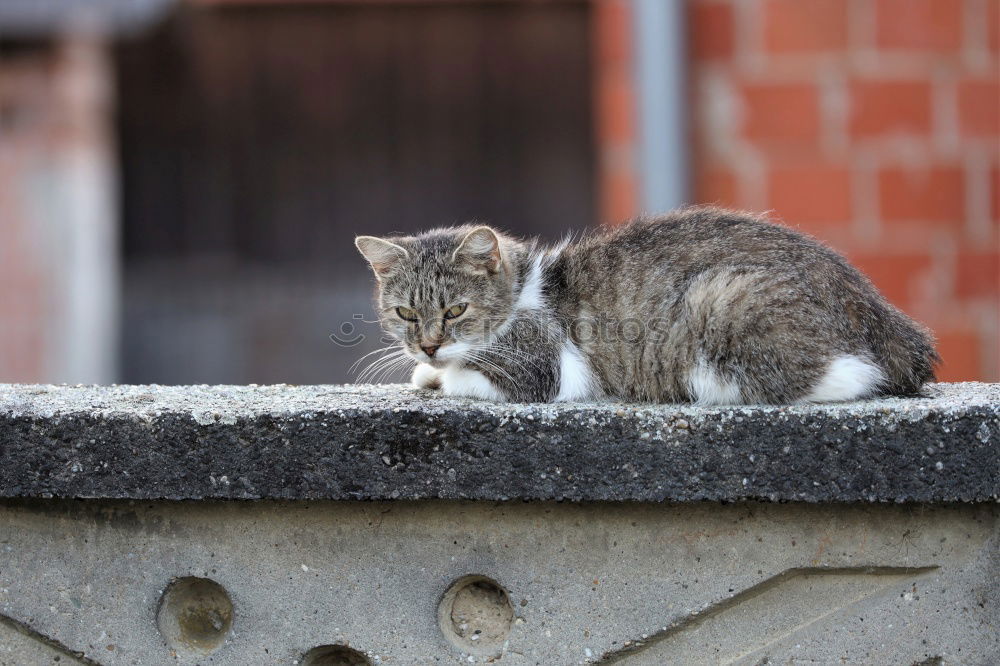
180 182
58 211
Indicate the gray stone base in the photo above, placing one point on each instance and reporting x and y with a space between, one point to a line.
628 583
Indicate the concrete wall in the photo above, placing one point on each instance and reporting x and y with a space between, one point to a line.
634 584
880 543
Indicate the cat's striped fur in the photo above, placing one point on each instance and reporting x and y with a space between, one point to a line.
701 305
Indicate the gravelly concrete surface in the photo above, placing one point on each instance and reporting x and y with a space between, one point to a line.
392 442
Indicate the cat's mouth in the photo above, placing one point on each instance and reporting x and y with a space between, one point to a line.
438 360
443 355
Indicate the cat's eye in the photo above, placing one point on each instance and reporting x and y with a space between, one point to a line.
407 314
455 311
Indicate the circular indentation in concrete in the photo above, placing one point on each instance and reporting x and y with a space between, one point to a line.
195 614
475 615
335 655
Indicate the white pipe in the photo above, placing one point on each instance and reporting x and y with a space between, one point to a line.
659 27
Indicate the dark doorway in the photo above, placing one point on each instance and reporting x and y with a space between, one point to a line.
257 141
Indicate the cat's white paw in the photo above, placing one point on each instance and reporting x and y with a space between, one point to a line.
426 377
467 383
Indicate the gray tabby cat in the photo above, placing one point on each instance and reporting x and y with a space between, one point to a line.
701 305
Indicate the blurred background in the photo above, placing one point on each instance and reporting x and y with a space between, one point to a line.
181 180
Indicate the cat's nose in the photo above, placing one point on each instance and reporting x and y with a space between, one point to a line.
430 349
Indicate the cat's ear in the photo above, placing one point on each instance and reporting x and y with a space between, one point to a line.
480 251
383 256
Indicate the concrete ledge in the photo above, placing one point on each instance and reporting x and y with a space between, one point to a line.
843 573
391 442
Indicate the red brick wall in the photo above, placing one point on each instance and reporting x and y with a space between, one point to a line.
874 125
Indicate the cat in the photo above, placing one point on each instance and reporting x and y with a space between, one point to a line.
700 305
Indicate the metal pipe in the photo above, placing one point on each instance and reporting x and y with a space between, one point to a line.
660 56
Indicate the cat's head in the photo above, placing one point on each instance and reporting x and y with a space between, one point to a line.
444 293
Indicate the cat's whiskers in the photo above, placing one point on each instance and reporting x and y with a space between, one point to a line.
388 369
380 363
515 356
489 365
520 360
391 347
515 366
394 367
387 354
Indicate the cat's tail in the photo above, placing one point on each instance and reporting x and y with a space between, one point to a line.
905 351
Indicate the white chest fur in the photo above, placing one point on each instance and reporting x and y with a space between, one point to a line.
576 381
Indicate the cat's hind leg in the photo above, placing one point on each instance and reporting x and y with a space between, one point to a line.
767 339
708 387
847 377
806 370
